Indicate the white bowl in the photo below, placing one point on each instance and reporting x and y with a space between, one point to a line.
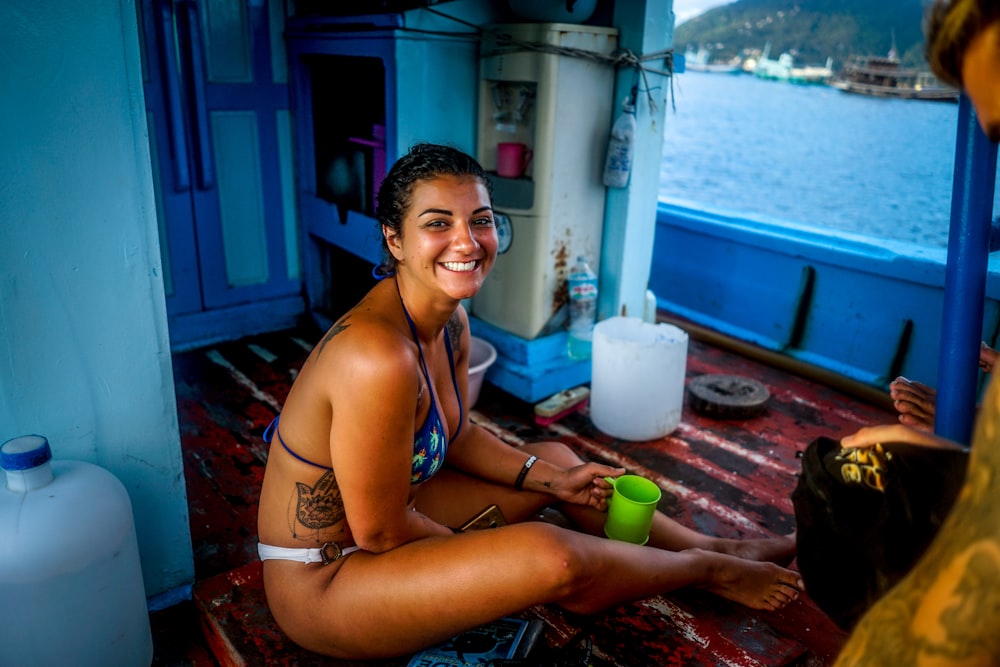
481 356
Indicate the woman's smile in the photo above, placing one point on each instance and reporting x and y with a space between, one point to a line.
460 266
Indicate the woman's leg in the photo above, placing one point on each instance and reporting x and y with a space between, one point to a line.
459 497
421 593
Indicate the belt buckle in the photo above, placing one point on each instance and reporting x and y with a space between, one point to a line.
336 550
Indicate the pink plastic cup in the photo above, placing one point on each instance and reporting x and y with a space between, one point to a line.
513 159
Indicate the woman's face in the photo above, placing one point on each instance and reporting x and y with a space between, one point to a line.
449 240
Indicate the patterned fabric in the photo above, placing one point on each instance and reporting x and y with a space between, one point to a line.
430 445
864 516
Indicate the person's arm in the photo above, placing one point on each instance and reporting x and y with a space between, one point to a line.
373 382
896 433
478 452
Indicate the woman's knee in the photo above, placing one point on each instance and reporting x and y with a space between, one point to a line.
560 559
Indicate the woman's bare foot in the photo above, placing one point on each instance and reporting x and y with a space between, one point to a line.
755 584
779 550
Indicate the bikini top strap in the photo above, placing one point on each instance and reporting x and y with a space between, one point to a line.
423 362
416 339
454 381
272 430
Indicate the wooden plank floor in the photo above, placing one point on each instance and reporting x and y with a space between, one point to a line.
730 478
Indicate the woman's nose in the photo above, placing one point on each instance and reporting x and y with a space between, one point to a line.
465 236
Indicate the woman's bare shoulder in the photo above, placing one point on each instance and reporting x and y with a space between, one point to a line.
365 346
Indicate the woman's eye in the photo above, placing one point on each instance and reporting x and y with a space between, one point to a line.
483 222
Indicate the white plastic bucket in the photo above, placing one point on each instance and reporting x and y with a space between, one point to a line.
637 378
481 356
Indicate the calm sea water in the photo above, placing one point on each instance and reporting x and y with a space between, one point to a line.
811 154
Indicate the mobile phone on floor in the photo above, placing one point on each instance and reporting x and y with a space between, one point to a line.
491 517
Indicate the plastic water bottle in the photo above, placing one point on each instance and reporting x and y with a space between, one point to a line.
621 147
71 589
582 308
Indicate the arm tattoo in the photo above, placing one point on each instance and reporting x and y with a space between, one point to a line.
946 617
337 328
963 627
319 506
455 329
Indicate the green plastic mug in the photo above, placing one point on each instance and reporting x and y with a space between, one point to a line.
631 508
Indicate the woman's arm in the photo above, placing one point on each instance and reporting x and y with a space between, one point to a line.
373 383
480 453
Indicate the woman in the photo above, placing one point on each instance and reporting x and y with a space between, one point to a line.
357 505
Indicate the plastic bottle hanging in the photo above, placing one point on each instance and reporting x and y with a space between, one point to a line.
621 147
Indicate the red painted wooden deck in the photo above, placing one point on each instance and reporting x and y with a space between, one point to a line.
731 478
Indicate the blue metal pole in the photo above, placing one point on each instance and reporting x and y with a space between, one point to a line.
965 278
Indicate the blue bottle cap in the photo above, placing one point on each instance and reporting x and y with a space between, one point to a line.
25 452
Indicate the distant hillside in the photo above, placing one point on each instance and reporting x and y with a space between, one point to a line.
811 30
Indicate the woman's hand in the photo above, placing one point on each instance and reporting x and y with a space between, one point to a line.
585 485
896 433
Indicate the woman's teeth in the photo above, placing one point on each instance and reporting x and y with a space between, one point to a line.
459 266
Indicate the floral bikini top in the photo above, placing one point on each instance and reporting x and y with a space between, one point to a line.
429 443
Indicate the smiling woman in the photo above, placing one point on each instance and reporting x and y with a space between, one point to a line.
358 506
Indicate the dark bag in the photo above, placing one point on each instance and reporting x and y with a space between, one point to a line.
864 516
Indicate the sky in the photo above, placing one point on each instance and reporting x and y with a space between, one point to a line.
688 9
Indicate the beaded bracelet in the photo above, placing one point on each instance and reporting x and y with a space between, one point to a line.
519 482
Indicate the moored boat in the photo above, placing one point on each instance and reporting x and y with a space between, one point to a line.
784 69
699 61
885 77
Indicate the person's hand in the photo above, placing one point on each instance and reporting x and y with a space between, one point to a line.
914 401
585 485
896 433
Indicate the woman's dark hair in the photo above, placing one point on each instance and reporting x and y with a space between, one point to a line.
950 25
395 196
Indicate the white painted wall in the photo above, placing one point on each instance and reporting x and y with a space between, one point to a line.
84 350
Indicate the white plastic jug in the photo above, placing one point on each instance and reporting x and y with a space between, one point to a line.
637 378
71 589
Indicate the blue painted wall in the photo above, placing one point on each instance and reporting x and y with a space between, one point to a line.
84 348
